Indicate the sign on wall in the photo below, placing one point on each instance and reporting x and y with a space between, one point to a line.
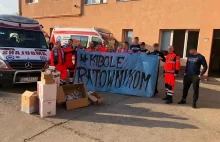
120 73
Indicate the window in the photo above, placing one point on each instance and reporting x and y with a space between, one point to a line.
111 42
96 41
82 39
128 34
22 38
165 40
31 1
88 2
182 40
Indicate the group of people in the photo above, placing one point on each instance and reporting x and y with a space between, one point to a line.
61 57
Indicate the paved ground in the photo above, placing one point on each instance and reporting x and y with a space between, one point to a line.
121 118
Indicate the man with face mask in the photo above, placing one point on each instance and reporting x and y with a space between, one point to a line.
171 69
193 75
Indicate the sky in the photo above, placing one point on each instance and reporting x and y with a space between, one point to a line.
8 6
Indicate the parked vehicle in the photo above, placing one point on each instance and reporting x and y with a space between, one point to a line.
23 50
84 36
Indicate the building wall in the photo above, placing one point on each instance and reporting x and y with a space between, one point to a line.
145 17
51 8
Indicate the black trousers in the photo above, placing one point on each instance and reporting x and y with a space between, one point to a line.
188 80
156 91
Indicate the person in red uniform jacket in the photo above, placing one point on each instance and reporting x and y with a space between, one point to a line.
69 51
57 59
91 47
102 48
171 69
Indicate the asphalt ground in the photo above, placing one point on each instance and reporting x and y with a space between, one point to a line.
121 118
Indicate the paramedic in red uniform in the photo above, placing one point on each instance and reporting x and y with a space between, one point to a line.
171 69
103 47
91 47
69 51
57 59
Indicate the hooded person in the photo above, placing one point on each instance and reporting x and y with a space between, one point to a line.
57 59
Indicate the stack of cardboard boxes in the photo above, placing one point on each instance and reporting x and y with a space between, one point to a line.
47 91
56 74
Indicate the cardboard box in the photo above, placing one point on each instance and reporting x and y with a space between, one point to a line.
95 98
47 81
29 102
45 75
60 95
47 108
73 103
46 91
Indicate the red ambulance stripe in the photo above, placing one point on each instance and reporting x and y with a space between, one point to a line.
15 27
76 32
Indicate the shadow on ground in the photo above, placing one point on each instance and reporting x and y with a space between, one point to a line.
123 113
129 110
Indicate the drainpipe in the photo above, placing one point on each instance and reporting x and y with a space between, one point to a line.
20 7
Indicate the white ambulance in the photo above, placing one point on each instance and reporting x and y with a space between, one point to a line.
23 50
84 36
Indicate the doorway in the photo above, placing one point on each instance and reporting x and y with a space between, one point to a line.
214 68
178 41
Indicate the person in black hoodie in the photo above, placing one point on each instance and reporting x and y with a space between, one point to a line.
161 57
193 74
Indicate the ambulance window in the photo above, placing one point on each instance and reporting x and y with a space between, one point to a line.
96 41
111 42
22 38
82 39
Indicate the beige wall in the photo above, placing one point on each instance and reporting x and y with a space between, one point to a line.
51 8
145 17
